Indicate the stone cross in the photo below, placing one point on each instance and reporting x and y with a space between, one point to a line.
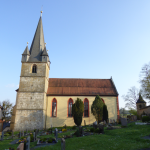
56 133
2 136
28 143
62 144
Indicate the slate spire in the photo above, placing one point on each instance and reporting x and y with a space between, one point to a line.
140 100
38 43
26 51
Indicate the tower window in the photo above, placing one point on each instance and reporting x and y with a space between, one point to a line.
34 69
70 102
54 108
86 108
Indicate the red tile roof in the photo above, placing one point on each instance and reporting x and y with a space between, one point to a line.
79 87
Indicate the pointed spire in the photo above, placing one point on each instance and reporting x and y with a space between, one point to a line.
26 51
37 45
140 100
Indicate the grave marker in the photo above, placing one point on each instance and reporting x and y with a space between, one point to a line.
84 123
33 136
12 134
2 136
28 143
123 121
56 133
23 133
62 144
19 134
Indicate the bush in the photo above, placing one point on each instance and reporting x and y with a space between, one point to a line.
92 130
77 111
74 127
96 131
50 141
77 133
145 118
31 137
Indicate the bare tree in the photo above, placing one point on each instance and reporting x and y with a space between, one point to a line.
7 107
145 81
131 98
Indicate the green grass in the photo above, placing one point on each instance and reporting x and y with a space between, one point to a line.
128 138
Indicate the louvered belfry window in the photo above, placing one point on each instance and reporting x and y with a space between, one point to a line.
54 107
86 108
34 69
70 108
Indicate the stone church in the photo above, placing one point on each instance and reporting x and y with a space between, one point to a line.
42 101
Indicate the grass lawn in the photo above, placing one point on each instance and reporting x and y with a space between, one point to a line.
128 138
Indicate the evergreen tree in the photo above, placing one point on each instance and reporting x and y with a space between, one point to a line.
105 112
97 108
77 111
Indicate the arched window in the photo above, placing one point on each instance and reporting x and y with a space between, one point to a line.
70 102
54 108
86 108
34 69
140 106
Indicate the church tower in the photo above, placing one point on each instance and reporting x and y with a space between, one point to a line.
34 78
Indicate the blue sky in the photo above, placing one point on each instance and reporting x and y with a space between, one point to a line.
85 39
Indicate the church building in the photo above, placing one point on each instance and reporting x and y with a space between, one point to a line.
42 101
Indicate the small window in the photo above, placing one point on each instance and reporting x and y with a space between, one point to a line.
86 108
140 106
34 69
70 107
54 108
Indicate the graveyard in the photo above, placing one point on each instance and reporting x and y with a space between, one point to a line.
127 135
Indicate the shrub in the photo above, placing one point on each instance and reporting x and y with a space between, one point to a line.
77 111
145 118
31 137
96 130
50 141
97 108
77 133
92 129
74 127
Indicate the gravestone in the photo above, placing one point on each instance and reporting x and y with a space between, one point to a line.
101 128
2 136
62 144
23 133
84 123
95 125
34 137
123 121
28 143
12 134
107 121
26 131
104 123
19 134
65 126
56 133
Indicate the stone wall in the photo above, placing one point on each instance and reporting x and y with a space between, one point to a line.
31 99
146 110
